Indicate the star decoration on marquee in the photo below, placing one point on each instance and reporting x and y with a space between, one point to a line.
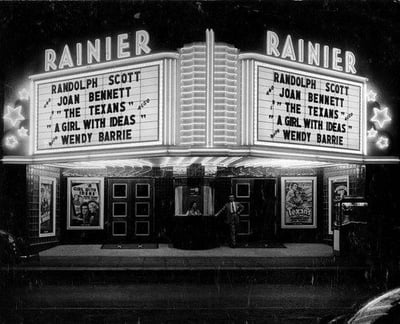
371 95
11 141
383 142
23 132
381 116
14 115
23 94
371 133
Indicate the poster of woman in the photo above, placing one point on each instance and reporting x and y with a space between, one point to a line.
298 202
47 206
85 203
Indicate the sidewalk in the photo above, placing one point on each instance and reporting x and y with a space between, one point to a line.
295 256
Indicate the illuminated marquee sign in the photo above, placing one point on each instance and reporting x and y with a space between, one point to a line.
116 107
310 53
306 110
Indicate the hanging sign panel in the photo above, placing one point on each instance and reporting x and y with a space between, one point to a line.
115 107
307 110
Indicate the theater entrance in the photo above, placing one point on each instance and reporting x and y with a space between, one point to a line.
258 219
130 210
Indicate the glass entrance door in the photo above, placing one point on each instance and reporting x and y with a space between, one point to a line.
130 209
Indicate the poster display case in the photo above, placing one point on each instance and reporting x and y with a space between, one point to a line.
350 225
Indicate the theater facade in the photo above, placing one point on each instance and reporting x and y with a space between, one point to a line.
112 141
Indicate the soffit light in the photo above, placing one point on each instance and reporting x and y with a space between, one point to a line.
280 163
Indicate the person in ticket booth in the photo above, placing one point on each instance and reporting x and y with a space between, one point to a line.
193 210
232 211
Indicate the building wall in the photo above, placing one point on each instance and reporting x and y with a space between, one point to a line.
164 197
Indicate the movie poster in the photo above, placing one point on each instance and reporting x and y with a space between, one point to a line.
298 202
338 188
85 203
47 207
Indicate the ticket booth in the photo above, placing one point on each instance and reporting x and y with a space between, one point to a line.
194 230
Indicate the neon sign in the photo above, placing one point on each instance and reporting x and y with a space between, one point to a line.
13 115
382 142
22 132
371 96
381 116
98 51
11 141
312 53
371 133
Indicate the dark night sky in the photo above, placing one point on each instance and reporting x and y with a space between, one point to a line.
371 29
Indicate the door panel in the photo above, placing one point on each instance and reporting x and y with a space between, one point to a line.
258 198
242 189
143 208
131 209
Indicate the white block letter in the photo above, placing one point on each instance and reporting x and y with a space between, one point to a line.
142 41
272 43
122 45
49 58
336 60
350 61
66 58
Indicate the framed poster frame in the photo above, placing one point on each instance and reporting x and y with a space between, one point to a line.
82 183
47 204
332 182
307 199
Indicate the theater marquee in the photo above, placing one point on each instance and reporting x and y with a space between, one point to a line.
306 110
115 107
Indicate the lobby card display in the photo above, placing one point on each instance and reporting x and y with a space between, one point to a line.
338 187
298 196
47 207
85 204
